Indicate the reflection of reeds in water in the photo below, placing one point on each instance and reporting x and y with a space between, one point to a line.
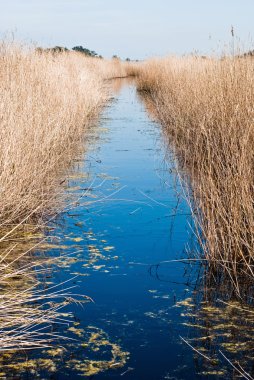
28 305
117 84
206 109
220 331
32 314
91 354
48 102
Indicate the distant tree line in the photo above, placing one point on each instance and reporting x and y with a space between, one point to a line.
79 49
87 52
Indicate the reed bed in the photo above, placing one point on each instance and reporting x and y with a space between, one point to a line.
48 103
30 305
206 108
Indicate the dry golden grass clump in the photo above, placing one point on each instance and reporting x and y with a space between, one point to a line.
206 109
29 306
47 103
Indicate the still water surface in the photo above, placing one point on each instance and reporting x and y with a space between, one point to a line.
129 223
137 220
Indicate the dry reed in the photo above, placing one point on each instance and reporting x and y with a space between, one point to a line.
48 102
206 109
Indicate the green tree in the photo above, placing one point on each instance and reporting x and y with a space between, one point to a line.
87 52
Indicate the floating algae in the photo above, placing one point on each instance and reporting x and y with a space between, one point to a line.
78 332
109 355
92 353
220 327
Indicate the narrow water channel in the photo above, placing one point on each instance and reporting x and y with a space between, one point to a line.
128 223
137 221
134 306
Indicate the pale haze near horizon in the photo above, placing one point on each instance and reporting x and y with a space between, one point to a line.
134 29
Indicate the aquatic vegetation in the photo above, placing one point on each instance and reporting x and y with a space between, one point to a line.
92 353
217 328
44 119
98 342
206 109
49 102
93 350
30 303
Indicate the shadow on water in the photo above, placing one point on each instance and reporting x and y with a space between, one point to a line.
124 245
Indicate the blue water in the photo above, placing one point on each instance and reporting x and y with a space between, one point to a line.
138 213
130 219
123 241
135 307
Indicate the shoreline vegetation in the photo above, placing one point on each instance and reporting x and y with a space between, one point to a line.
49 100
206 109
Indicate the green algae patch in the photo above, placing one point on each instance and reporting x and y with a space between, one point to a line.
105 354
76 331
218 328
93 352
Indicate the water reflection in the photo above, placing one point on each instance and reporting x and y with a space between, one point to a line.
218 312
220 331
123 243
37 310
134 218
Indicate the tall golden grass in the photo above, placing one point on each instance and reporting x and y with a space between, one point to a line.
206 109
48 102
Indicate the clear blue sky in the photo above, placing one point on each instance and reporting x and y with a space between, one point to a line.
130 28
